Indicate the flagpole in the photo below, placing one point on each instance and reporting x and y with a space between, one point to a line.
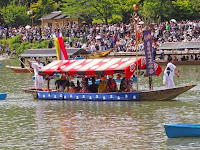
136 48
136 52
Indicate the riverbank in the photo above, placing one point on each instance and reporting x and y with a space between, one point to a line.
4 56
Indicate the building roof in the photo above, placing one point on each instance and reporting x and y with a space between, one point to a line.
61 16
48 52
179 45
39 53
52 15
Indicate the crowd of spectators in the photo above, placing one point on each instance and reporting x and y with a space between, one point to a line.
99 37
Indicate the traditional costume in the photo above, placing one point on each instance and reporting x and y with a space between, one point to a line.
112 86
38 79
103 86
168 78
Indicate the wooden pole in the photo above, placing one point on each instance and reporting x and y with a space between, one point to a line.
25 66
48 82
136 48
150 83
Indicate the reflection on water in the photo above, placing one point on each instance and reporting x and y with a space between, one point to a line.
29 124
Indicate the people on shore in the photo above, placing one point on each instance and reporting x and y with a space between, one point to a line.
117 36
170 71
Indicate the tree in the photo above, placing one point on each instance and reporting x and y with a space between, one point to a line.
88 9
41 8
125 8
164 10
15 16
78 9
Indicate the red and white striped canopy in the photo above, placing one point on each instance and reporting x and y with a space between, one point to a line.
91 67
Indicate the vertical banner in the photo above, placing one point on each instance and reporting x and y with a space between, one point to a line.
148 53
57 45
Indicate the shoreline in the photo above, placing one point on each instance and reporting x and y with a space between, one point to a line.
3 57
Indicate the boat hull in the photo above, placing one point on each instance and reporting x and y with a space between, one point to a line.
3 96
20 70
164 94
156 95
182 130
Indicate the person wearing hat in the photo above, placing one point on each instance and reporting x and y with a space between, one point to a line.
62 84
103 86
112 85
38 78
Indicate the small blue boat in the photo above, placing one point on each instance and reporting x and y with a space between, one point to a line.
3 96
182 130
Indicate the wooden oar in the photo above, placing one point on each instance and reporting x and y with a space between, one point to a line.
25 66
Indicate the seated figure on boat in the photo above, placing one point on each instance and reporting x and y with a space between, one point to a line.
84 85
78 87
112 85
103 86
123 84
93 87
72 88
129 85
62 84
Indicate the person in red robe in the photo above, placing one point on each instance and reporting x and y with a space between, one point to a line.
112 86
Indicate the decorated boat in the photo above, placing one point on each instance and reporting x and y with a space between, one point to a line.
3 96
20 70
107 66
182 130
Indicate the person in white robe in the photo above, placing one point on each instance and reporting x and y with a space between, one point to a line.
38 78
170 71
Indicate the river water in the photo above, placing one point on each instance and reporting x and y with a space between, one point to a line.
26 123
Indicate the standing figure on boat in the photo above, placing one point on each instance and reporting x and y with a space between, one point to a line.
170 71
103 86
38 79
112 85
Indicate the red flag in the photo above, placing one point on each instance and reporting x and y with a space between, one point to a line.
64 55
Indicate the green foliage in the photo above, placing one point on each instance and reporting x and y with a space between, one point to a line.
42 8
116 19
15 39
124 8
15 16
19 46
4 43
89 9
163 10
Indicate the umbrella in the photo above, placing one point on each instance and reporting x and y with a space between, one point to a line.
98 37
141 22
28 27
173 20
